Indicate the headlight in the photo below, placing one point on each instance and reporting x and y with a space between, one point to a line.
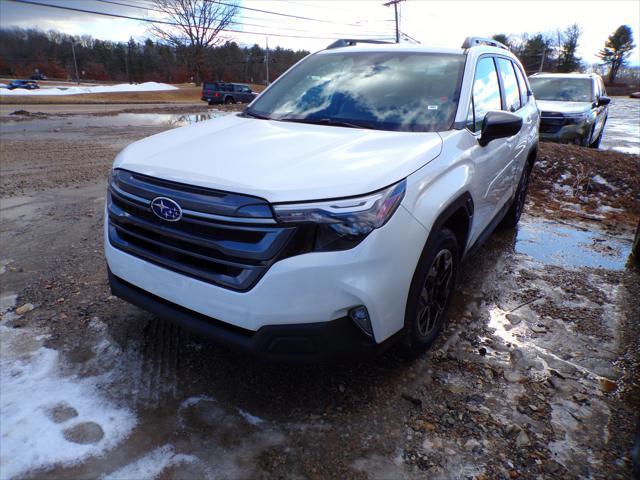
344 223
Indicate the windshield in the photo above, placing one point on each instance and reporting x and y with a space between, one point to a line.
381 90
562 89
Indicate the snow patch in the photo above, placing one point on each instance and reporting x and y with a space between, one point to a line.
30 387
630 150
252 419
8 302
123 87
151 465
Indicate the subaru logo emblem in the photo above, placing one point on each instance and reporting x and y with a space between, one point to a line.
166 209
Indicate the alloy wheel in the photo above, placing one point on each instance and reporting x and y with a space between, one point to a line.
435 292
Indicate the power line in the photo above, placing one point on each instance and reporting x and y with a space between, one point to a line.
140 19
278 13
122 4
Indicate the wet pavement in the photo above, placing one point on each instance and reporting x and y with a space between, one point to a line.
533 378
622 132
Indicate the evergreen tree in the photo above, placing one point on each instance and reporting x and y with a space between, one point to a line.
616 50
568 61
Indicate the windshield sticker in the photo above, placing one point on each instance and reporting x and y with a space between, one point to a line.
432 107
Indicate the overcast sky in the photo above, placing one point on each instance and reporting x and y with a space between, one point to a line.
432 22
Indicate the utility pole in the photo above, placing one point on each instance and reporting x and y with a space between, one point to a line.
266 60
544 52
395 8
75 62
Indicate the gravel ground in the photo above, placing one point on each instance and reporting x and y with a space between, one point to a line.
536 375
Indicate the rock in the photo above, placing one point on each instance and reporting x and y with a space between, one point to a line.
482 351
551 466
512 376
522 440
27 307
514 318
607 385
471 444
538 328
84 433
62 412
533 408
580 398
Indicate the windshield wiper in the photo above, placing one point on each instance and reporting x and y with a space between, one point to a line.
250 113
328 121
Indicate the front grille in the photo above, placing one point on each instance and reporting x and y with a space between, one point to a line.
223 238
552 122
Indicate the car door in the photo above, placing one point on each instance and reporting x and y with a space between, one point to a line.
512 102
601 111
493 177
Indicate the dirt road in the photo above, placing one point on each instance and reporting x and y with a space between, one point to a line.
536 376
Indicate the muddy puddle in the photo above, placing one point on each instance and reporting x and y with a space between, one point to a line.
573 246
74 122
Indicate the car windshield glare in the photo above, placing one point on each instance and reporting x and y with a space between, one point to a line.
562 89
398 91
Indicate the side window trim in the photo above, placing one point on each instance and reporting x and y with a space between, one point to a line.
503 94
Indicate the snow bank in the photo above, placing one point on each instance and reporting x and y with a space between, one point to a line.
123 87
47 418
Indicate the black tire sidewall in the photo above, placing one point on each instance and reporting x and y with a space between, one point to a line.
444 239
512 217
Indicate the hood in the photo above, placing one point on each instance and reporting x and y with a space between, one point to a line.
563 107
281 161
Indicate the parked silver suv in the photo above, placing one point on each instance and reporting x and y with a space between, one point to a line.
574 107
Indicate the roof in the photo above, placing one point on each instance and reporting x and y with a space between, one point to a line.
392 47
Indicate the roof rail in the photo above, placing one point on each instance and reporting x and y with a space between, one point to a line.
475 41
348 42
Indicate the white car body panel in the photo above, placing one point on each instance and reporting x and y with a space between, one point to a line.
572 108
281 161
302 289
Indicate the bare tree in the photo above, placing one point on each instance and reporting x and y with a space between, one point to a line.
193 26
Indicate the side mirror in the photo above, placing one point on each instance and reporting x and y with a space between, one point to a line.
499 125
602 101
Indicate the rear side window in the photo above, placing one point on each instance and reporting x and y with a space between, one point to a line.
486 92
510 85
524 97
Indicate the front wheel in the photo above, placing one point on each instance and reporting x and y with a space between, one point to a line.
430 293
596 142
514 213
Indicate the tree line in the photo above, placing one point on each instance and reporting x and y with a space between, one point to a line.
557 51
24 52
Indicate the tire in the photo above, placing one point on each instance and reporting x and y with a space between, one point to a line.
596 142
433 283
229 100
514 213
210 102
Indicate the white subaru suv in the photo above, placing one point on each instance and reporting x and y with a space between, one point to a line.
329 219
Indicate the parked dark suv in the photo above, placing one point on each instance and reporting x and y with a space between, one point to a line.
220 92
27 84
573 106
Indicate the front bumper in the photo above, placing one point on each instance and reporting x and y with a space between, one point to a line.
555 130
303 290
311 342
